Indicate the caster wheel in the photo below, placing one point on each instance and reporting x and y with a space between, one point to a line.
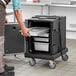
32 62
52 64
65 57
4 55
14 55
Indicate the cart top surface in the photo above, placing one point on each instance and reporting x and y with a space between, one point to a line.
42 19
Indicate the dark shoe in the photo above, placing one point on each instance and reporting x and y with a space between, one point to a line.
8 68
7 74
1 73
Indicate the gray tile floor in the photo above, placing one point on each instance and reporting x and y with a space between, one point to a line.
22 67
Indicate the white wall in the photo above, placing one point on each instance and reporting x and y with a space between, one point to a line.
28 11
70 14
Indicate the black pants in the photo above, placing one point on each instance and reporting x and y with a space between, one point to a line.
2 18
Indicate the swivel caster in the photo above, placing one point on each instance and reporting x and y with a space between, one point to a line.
65 57
14 55
32 61
52 64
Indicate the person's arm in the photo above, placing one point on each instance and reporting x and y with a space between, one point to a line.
18 15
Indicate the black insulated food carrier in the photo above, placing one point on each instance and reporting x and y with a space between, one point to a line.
50 45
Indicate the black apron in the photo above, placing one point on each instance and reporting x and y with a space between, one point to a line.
2 16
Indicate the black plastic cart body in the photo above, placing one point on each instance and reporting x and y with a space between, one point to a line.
14 41
56 39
